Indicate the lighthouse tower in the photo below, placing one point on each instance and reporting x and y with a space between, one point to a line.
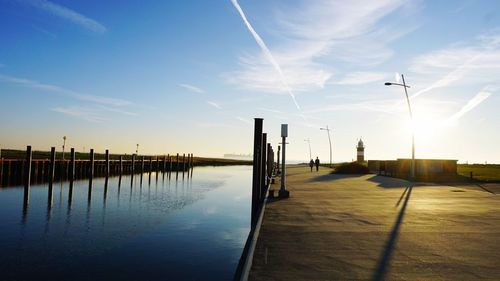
361 151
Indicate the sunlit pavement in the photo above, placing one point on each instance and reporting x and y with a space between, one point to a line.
378 228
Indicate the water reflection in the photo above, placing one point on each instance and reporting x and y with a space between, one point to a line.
121 232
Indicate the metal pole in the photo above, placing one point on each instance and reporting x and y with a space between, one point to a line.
412 130
330 141
283 169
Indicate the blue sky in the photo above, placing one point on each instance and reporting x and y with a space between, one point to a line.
189 76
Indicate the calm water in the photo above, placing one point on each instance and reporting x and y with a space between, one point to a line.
185 229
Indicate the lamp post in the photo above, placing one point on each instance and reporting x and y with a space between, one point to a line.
330 141
412 171
309 142
64 146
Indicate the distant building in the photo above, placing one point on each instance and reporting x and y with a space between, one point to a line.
238 156
361 151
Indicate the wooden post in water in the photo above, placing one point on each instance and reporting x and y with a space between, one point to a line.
27 175
133 164
142 165
170 163
121 165
164 163
52 169
183 162
91 173
177 163
107 163
257 142
72 165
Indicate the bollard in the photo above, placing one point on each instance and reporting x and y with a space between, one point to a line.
257 142
471 175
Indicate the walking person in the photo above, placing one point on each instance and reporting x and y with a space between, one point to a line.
311 164
317 163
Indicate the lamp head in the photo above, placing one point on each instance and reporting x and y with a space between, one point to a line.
387 83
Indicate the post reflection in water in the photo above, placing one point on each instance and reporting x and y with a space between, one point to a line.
106 234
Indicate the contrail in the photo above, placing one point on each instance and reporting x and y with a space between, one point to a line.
475 101
267 53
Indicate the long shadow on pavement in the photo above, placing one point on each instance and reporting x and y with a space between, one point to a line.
385 257
332 177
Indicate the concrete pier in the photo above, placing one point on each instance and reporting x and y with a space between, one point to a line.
369 227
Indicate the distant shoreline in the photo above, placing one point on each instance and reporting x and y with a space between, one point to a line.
197 160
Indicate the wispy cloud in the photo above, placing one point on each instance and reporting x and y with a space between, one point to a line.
192 88
359 78
67 14
84 113
317 37
214 104
62 91
471 104
267 53
244 120
466 63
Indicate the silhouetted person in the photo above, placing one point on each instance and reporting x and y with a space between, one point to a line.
311 164
317 163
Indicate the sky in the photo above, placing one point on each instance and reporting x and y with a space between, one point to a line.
190 76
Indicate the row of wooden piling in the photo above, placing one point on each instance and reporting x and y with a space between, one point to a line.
28 170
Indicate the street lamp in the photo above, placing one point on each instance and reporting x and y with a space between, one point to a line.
310 154
330 141
412 171
64 145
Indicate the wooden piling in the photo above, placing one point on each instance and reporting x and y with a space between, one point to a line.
183 162
121 165
27 175
107 163
263 159
72 165
257 142
133 164
177 163
52 168
142 165
91 173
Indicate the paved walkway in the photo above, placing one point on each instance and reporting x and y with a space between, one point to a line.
378 228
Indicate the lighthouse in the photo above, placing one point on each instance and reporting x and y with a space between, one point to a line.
361 151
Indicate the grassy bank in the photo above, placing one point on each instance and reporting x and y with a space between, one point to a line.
198 161
481 172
